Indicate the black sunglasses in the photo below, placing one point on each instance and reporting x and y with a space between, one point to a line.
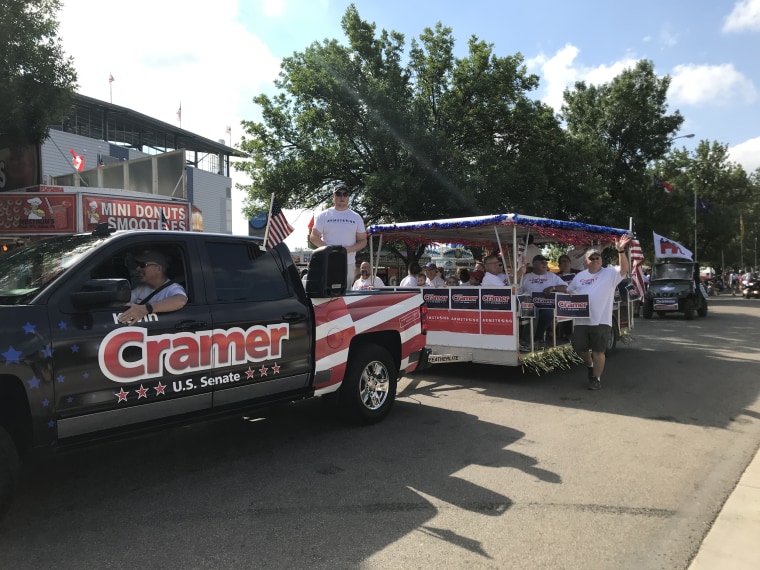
344 194
144 264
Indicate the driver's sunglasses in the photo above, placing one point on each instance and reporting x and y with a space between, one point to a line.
341 194
144 264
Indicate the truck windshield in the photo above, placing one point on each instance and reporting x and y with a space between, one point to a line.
682 271
26 271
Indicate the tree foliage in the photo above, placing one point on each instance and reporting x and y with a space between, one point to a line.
619 129
37 79
435 137
711 194
425 135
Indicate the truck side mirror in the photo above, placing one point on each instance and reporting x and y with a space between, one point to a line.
327 272
101 292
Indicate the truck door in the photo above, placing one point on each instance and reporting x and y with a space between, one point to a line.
109 375
262 327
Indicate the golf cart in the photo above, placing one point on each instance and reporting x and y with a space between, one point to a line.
674 287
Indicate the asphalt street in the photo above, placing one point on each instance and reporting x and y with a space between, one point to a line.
477 467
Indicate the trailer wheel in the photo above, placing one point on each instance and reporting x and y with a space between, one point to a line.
10 465
612 343
369 387
648 308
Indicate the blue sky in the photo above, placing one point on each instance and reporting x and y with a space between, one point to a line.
214 57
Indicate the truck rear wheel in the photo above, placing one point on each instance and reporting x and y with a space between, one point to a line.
10 465
369 387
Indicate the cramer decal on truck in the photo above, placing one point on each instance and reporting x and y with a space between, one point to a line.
248 335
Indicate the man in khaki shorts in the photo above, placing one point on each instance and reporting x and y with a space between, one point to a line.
591 335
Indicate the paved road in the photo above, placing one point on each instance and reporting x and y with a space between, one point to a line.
477 467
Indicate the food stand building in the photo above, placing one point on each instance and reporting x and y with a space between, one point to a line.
107 163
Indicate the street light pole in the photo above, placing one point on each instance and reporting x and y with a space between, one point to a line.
690 136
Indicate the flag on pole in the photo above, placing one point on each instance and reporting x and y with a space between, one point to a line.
164 221
311 223
703 206
77 160
229 130
664 247
278 227
660 183
637 271
110 78
179 113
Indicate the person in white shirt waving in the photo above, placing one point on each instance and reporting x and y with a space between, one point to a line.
591 336
340 225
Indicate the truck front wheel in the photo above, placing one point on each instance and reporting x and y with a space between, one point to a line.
10 465
369 387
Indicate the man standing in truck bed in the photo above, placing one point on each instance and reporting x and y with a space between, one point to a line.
340 225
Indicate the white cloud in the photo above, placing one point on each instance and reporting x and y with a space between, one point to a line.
561 72
744 16
165 53
717 84
273 8
747 154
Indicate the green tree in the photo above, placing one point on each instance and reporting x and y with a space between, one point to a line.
619 129
439 137
37 79
726 192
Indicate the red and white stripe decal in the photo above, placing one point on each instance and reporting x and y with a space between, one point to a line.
340 319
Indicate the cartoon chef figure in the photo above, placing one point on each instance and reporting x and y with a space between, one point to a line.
34 212
93 213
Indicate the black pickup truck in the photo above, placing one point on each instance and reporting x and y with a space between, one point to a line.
250 334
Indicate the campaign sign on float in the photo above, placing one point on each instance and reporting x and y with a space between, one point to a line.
465 310
543 300
496 311
437 301
527 308
572 306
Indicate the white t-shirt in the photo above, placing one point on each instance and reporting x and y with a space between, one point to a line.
600 288
409 281
340 228
435 282
491 280
367 283
142 291
534 283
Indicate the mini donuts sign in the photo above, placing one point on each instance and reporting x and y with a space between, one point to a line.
130 214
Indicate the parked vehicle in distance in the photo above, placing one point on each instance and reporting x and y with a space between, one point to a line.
675 287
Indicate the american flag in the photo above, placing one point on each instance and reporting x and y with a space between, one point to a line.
164 221
229 130
637 273
110 78
279 228
179 113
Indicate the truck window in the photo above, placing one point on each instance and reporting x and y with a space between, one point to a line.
123 265
242 272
